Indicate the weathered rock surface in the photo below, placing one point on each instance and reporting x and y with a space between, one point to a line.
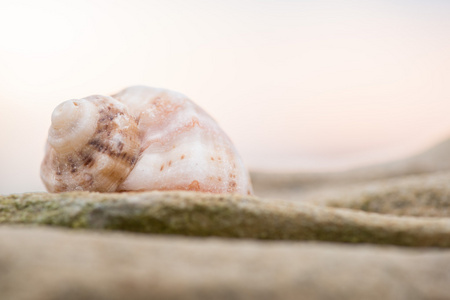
418 195
404 203
296 185
50 264
198 214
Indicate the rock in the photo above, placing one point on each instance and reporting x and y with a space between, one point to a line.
295 185
199 214
406 203
50 264
420 196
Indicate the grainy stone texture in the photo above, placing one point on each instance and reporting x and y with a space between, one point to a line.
418 195
203 246
51 264
198 214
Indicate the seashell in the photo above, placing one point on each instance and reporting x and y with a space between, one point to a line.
92 145
166 140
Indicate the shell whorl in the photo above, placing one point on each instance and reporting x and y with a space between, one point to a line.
73 123
93 145
182 146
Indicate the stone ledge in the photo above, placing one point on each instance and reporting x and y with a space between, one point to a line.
198 214
52 264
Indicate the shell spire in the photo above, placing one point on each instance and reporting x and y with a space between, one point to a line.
92 145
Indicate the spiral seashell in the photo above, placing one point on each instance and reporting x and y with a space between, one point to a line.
92 145
169 141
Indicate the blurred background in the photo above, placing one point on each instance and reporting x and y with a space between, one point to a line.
298 85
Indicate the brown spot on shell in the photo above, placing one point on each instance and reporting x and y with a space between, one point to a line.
212 158
170 163
182 156
95 143
194 186
162 168
195 122
120 146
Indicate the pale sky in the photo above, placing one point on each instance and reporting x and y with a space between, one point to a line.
297 85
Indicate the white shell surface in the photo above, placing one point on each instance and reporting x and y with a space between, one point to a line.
182 147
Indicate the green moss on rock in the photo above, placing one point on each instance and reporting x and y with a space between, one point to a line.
197 214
